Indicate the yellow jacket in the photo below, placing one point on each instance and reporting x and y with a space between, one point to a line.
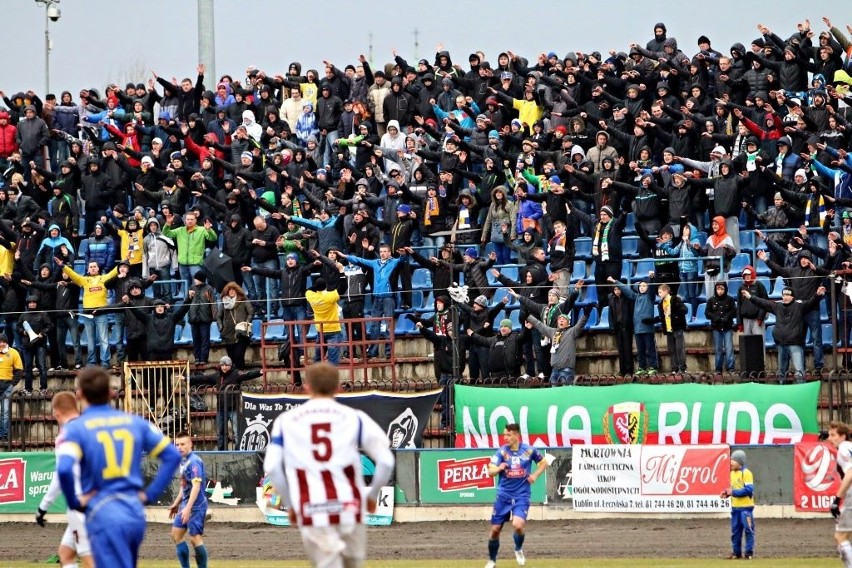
94 287
9 363
7 259
742 488
529 112
324 305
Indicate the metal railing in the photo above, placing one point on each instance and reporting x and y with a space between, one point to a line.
312 345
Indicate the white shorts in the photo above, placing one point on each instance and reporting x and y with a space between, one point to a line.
339 546
76 537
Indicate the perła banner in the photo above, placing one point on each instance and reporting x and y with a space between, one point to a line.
744 414
651 479
24 479
815 476
403 416
461 476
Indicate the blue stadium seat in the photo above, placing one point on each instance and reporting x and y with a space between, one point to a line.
515 316
593 318
428 302
626 271
255 330
588 296
583 248
700 318
578 271
738 264
641 271
502 293
416 302
762 268
603 322
630 224
276 330
747 241
768 339
183 335
766 284
404 326
828 342
421 279
215 335
777 287
734 285
509 270
823 312
630 247
770 319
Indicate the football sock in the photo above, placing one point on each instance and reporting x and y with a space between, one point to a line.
201 556
519 540
845 549
182 549
493 547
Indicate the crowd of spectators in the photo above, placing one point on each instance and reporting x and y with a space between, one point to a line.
326 190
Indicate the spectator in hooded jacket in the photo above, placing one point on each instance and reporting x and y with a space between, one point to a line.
33 137
227 380
721 311
202 313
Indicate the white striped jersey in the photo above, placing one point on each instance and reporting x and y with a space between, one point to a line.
320 441
844 463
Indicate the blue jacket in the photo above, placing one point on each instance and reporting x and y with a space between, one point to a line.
643 307
329 234
382 272
841 177
101 250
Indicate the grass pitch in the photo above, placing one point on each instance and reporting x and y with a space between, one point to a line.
531 562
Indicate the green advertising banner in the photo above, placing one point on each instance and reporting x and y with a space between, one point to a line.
24 479
744 414
461 476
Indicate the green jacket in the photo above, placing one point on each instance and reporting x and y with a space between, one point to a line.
190 245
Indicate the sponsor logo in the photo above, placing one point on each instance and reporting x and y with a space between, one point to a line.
817 471
626 423
454 475
684 471
12 481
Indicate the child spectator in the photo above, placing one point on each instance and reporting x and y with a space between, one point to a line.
643 329
741 493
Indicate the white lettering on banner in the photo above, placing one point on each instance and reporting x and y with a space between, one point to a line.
670 434
754 421
677 423
777 434
646 478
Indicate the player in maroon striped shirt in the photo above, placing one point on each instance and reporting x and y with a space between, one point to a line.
314 463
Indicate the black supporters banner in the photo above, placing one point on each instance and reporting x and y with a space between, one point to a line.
402 415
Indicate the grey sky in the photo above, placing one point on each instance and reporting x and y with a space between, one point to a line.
100 41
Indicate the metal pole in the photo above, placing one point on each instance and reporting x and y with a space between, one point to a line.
207 40
46 49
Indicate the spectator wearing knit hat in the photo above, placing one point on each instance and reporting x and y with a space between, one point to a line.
504 352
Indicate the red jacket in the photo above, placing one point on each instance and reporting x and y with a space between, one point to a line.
128 140
8 134
776 132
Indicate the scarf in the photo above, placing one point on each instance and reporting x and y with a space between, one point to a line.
751 162
229 302
820 206
432 210
667 311
557 337
464 217
600 244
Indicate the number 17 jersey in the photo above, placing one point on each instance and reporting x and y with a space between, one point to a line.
321 442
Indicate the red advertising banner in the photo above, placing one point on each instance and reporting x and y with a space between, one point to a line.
815 476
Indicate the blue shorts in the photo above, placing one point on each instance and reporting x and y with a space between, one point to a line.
116 526
506 508
195 525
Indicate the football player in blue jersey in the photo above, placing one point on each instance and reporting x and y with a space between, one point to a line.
109 446
512 464
189 508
